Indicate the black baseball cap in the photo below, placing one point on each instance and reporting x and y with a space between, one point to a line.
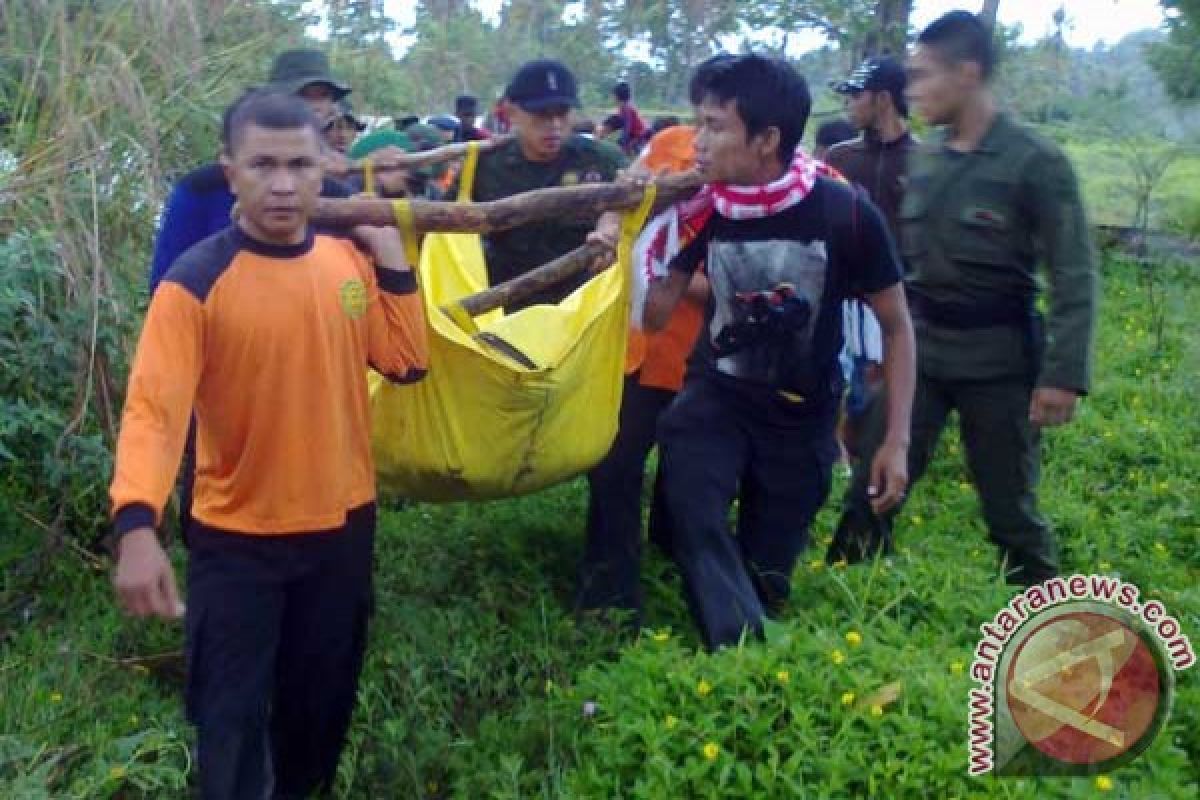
875 74
543 84
881 74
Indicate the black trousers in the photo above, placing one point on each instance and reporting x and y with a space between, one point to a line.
276 630
609 575
716 448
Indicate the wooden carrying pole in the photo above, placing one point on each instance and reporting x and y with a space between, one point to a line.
586 202
421 158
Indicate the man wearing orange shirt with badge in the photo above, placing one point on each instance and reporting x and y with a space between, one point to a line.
266 330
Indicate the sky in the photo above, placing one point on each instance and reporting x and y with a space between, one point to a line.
1088 21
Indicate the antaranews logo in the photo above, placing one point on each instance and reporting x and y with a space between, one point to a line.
1076 676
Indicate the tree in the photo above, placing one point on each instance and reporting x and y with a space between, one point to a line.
358 24
988 13
890 33
1177 61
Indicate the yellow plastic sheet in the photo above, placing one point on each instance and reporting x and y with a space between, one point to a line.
482 424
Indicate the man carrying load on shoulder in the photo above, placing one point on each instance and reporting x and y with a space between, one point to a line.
266 330
543 154
783 246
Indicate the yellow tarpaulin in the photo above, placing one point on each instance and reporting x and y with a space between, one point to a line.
482 424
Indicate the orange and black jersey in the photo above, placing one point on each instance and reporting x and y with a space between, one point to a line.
269 344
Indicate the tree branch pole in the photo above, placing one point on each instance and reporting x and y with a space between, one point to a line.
534 281
584 202
449 152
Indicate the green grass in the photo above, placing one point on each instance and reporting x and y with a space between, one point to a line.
478 676
1105 181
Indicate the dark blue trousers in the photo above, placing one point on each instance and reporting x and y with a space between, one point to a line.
719 445
276 630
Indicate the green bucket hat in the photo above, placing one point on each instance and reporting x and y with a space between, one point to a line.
378 140
295 69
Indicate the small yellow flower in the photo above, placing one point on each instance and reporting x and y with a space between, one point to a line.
840 564
916 519
837 656
1104 783
56 697
783 676
853 638
847 698
662 636
549 686
704 688
711 751
1160 547
964 486
670 722
957 667
816 565
877 711
141 669
1108 434
116 773
133 719
1104 566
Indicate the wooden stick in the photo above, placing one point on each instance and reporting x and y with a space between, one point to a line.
534 281
569 203
437 155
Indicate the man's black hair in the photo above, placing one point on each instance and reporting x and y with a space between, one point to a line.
265 108
663 122
766 92
835 131
622 92
961 36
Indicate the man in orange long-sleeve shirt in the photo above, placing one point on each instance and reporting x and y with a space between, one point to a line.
266 329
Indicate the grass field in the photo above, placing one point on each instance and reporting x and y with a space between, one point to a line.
480 684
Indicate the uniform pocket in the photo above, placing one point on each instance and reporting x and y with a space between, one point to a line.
985 224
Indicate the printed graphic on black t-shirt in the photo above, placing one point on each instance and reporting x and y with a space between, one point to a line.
777 286
767 300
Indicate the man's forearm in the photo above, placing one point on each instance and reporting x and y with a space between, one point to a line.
899 377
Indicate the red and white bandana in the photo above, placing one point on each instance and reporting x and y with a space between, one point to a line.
755 202
670 231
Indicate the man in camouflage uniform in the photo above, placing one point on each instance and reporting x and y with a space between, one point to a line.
986 201
543 154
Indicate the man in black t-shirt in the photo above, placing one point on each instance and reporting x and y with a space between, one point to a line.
783 247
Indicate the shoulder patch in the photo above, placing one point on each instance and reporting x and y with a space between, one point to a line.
202 264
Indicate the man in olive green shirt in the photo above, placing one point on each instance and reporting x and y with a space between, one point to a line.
544 154
986 201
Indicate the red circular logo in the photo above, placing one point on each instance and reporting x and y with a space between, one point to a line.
1083 688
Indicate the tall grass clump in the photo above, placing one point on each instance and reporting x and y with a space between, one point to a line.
103 104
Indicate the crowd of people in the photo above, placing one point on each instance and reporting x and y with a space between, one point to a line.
907 270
